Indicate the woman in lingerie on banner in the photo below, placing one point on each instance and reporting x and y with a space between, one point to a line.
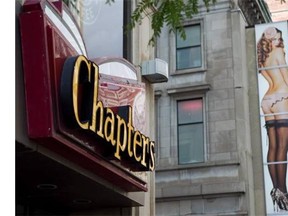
273 67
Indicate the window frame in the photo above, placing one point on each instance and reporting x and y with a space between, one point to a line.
188 46
173 50
190 123
187 95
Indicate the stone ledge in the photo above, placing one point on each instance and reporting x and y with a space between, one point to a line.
175 192
195 87
199 165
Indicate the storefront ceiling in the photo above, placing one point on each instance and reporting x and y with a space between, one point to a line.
46 184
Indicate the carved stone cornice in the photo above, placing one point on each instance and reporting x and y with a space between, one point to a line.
255 11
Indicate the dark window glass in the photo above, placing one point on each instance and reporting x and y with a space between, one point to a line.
189 51
190 131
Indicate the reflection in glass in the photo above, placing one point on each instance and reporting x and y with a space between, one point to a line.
190 131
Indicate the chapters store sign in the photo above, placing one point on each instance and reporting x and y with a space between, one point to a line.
83 109
272 58
92 112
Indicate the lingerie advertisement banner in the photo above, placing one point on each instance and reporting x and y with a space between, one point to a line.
272 69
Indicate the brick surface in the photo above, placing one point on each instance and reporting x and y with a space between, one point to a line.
279 12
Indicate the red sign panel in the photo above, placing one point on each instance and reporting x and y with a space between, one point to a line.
49 37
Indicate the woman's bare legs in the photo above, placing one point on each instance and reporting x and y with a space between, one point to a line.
282 135
281 125
272 151
276 118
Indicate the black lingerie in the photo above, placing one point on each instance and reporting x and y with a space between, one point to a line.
276 123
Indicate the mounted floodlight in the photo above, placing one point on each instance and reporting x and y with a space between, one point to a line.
155 71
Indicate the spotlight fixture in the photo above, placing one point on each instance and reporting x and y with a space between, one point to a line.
82 201
47 186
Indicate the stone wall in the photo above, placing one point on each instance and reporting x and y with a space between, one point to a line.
223 184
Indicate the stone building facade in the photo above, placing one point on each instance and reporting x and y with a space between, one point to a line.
207 159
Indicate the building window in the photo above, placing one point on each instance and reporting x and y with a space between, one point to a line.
100 29
190 126
189 51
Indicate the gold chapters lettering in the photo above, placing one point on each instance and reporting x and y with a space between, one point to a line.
128 144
